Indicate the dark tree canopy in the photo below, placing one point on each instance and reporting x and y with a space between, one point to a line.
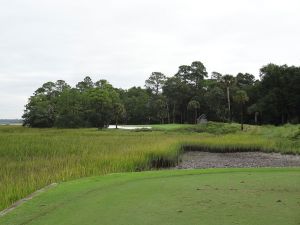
155 82
87 105
273 99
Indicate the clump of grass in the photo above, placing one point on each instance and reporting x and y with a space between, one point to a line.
296 135
33 158
213 128
142 130
210 127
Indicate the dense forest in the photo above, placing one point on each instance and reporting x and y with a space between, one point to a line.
272 99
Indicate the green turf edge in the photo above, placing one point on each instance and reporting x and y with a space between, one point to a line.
75 186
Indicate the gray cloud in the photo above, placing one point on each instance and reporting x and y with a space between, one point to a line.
124 41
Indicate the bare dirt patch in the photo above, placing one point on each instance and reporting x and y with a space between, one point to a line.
199 159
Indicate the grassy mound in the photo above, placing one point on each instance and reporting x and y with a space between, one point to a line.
213 196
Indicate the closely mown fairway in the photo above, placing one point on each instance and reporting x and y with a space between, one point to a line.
33 158
200 197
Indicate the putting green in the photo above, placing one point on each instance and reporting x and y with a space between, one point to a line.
210 197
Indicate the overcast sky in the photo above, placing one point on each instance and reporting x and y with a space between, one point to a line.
123 41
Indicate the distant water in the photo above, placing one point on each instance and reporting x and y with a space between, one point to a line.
128 127
10 122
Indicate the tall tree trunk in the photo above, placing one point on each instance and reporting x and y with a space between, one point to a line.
195 116
228 100
255 117
116 123
174 112
168 114
181 119
242 119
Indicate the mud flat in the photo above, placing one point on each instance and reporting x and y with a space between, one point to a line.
199 159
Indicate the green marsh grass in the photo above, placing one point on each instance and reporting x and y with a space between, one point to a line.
33 158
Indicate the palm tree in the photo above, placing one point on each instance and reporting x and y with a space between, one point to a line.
194 105
255 109
162 109
119 112
241 98
228 81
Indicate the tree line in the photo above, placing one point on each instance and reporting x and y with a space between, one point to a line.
274 98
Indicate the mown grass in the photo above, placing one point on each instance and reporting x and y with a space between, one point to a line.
33 158
267 196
